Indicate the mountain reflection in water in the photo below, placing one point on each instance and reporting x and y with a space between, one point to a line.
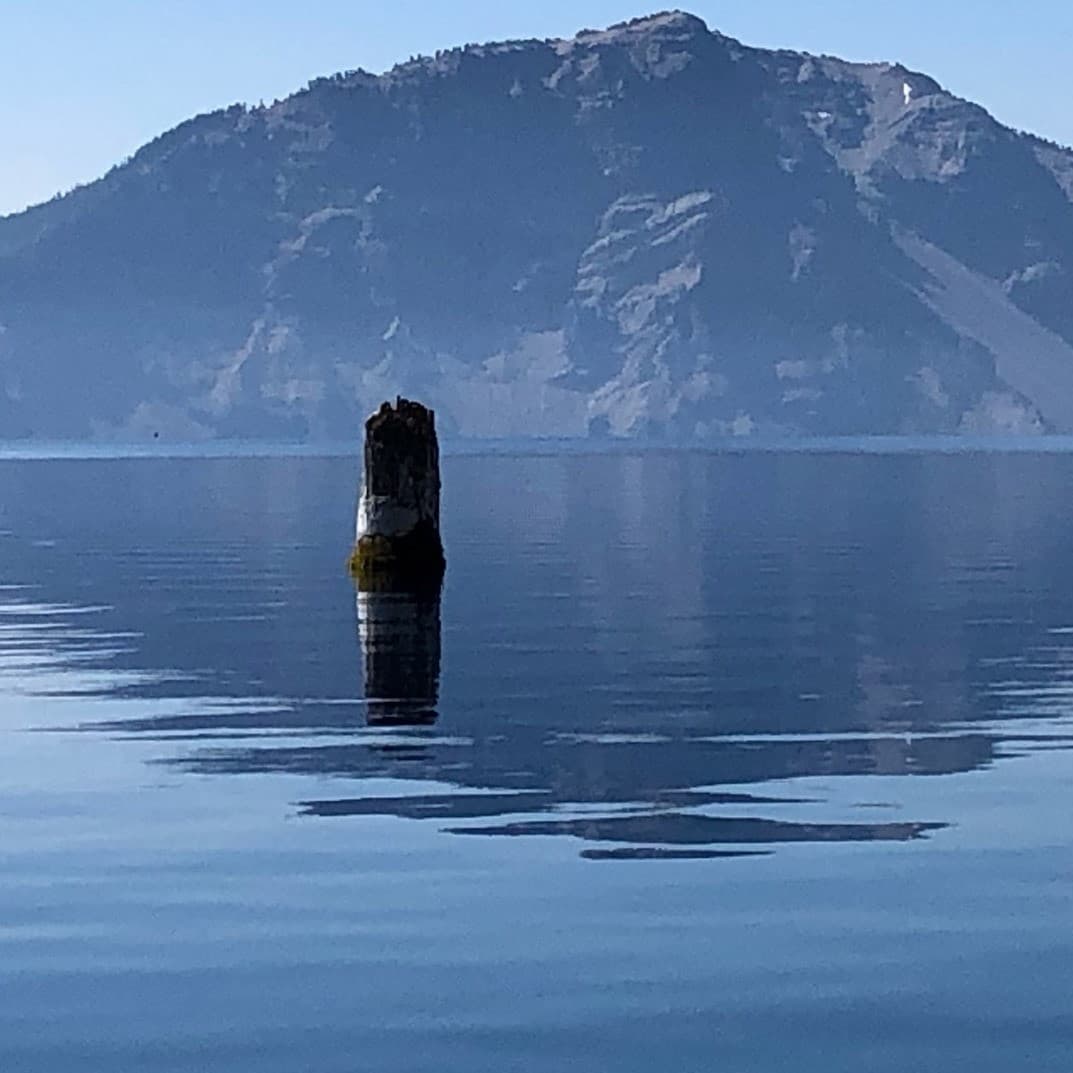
666 657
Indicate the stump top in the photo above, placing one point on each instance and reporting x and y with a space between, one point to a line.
417 420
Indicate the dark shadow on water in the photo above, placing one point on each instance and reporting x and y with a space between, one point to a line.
658 853
682 829
461 806
638 787
399 636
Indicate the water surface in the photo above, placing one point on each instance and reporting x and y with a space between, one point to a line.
746 761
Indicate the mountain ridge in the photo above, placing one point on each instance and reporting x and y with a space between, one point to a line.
650 230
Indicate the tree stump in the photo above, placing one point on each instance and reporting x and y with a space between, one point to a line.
398 546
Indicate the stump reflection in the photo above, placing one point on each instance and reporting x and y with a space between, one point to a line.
400 651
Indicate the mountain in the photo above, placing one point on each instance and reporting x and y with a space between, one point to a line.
651 230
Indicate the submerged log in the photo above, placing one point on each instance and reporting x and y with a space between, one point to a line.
397 545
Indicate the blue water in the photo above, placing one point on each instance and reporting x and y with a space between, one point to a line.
734 761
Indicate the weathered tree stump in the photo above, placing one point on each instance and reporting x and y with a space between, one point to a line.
398 546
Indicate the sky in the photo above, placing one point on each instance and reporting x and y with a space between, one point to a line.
84 83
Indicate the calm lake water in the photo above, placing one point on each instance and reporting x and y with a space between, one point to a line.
703 762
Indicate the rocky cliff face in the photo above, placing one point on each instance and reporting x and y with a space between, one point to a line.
650 230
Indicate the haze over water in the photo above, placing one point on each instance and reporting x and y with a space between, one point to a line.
702 761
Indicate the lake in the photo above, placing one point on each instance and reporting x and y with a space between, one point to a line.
735 761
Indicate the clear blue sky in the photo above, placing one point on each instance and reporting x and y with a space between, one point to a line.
83 83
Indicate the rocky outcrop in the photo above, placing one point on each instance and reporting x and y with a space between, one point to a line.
645 231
